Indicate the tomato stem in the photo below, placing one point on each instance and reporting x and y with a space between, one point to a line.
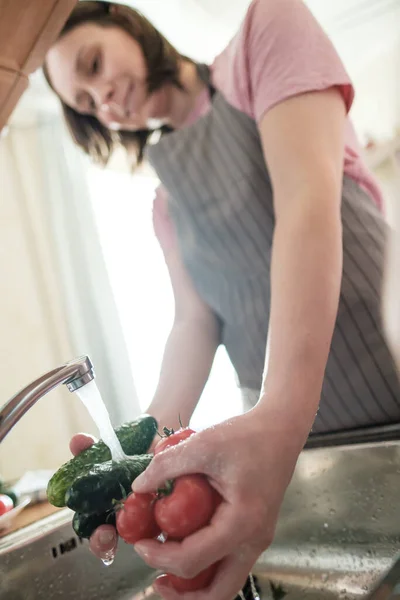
168 432
166 490
117 505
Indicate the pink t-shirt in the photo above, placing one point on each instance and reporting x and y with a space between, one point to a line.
279 51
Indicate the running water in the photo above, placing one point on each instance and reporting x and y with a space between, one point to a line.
91 398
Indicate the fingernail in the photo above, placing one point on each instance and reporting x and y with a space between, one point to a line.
162 583
139 481
106 537
141 550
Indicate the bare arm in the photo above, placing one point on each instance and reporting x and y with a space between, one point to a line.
303 136
189 352
391 290
303 144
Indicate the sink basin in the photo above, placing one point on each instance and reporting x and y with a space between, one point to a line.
338 533
47 560
339 527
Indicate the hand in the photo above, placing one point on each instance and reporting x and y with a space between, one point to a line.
250 462
104 540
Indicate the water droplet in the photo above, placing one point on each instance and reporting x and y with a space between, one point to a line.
108 559
326 525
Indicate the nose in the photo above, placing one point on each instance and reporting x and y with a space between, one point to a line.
106 96
109 110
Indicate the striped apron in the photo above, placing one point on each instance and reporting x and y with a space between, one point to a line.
221 203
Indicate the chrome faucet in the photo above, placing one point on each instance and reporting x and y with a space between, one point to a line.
74 374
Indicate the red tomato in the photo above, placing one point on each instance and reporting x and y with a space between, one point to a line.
6 504
187 508
201 581
135 520
172 439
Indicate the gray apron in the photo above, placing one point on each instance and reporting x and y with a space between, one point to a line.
221 203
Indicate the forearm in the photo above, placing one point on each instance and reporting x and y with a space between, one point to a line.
186 365
305 282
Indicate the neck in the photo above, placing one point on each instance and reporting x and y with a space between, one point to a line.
183 101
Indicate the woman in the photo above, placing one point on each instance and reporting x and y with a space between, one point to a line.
271 227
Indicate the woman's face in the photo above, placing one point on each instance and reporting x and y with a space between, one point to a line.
101 71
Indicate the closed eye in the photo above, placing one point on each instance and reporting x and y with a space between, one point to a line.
95 65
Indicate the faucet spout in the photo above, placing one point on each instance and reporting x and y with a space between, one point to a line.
74 374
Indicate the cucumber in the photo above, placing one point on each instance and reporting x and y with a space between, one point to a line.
95 491
135 438
84 525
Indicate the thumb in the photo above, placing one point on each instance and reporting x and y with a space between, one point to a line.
188 457
80 442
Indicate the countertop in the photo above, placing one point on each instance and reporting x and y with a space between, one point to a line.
30 514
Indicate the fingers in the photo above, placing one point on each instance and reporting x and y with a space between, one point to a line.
198 551
163 588
80 442
104 541
183 459
228 581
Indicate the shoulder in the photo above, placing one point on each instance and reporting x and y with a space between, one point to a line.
280 50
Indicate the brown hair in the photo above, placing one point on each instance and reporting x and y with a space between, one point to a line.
162 61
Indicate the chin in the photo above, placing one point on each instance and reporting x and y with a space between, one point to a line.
154 123
157 109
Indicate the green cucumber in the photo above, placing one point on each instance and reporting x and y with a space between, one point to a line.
135 438
95 492
84 525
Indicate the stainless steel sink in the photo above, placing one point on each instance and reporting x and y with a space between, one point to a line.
47 560
338 533
339 528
